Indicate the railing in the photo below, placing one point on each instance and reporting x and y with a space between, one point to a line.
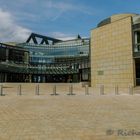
61 89
23 68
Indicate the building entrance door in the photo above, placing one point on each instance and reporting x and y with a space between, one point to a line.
137 70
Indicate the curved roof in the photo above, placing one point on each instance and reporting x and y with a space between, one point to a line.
121 16
114 18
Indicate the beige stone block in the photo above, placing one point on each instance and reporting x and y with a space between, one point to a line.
112 53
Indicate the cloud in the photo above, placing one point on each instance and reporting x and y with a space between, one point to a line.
59 8
32 14
15 25
10 30
62 36
63 6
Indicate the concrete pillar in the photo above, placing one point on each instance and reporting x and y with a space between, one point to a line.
30 78
136 41
136 37
116 90
26 57
1 90
37 89
71 90
102 90
54 90
86 90
5 77
19 90
7 54
131 90
0 77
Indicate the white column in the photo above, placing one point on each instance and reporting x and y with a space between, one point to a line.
136 41
7 55
135 34
5 77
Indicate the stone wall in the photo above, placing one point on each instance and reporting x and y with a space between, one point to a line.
111 55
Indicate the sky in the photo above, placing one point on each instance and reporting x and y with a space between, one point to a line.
62 19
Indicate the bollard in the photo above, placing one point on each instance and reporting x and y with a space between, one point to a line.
86 90
116 90
1 90
19 90
71 90
37 89
131 90
102 90
54 90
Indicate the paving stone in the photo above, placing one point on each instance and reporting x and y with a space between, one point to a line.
62 117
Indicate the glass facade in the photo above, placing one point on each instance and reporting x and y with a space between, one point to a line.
47 54
61 61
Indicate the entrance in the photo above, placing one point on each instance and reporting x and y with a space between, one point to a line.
137 68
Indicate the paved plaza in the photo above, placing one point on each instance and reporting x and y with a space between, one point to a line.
67 117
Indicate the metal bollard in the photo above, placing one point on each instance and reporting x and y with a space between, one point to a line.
37 89
1 90
19 90
54 90
102 90
86 90
116 90
131 90
71 90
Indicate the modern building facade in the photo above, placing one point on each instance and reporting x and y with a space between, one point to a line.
111 57
44 59
13 61
115 52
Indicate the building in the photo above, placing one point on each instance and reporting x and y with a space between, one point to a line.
44 59
111 57
115 52
13 61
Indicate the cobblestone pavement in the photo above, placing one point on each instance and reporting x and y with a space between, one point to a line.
65 117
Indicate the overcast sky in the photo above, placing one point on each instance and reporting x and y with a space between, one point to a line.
57 18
